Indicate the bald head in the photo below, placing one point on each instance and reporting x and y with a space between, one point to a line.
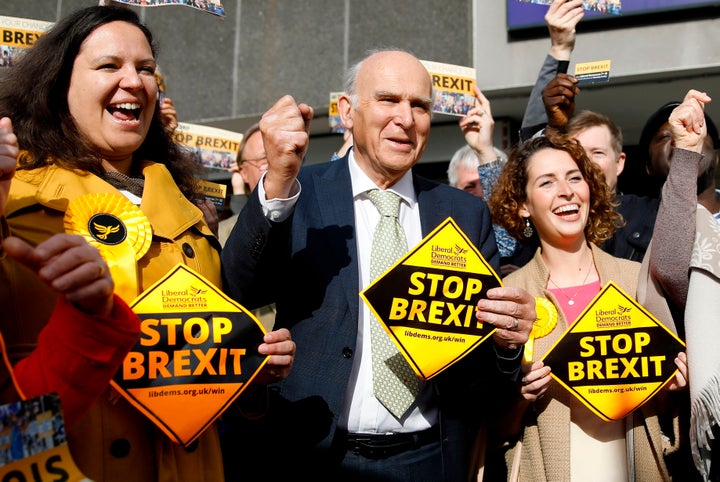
387 106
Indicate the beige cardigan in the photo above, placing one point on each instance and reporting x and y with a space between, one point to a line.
545 453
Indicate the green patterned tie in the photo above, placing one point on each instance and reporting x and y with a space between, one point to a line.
395 384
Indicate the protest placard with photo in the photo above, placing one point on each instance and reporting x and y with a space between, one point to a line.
603 6
17 35
210 6
453 86
334 120
211 147
33 443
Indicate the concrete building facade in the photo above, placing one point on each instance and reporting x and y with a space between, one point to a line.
226 71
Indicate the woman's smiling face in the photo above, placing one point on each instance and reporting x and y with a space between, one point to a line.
112 92
558 197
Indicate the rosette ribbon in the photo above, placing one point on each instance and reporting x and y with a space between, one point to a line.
547 318
118 229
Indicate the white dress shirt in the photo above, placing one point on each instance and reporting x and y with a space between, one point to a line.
362 412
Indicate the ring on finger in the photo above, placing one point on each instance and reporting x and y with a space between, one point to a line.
516 323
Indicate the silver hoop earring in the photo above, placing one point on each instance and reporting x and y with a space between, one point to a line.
528 231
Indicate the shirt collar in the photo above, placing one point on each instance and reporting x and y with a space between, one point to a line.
361 183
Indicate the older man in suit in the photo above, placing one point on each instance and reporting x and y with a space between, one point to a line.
304 241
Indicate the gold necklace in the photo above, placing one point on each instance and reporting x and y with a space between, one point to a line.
571 299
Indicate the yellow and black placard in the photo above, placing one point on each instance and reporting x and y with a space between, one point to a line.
427 300
197 352
20 34
616 356
33 446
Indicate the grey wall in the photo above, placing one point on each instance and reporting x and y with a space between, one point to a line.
225 72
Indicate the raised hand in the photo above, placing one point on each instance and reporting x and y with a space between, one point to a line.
285 129
687 122
477 126
559 99
561 18
8 159
168 114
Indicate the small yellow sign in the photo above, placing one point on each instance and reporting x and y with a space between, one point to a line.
197 352
592 72
426 301
616 356
214 192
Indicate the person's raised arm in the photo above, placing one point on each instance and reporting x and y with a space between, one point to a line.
561 18
168 114
477 127
285 130
559 101
8 159
674 232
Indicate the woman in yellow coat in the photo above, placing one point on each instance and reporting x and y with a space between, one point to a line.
83 106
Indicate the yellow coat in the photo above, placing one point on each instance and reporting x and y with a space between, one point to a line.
114 442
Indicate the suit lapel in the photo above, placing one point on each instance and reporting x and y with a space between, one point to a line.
434 209
333 190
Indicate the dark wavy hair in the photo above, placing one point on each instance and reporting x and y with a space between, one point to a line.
511 190
33 93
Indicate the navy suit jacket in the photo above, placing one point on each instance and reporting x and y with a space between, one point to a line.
308 266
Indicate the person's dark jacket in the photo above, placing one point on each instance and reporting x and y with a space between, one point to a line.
308 266
631 241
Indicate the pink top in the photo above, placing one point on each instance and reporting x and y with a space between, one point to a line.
597 448
574 300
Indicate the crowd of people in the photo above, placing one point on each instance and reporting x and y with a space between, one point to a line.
336 400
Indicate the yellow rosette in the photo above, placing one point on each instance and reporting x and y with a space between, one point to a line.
547 318
118 229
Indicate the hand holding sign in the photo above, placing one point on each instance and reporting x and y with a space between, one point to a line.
559 99
477 126
281 349
681 377
511 311
535 381
8 158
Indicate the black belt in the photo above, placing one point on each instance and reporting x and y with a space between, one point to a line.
380 446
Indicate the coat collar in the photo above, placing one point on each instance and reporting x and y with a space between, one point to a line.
54 187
